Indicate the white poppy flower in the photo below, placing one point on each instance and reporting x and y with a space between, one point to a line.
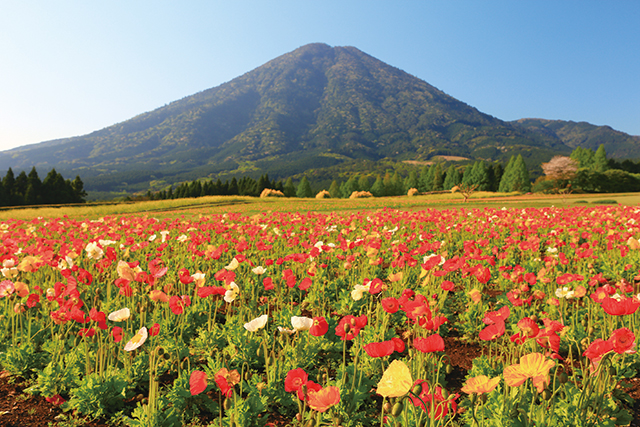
231 293
120 315
257 323
259 270
137 340
301 323
233 264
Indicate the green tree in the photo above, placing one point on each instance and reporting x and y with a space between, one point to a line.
516 176
349 187
584 157
289 188
363 183
304 188
397 184
411 181
378 189
426 178
8 184
479 176
334 190
452 178
438 178
600 160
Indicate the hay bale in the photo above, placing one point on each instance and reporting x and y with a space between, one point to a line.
324 194
360 194
268 192
413 192
455 189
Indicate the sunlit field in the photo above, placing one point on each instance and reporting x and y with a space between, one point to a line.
405 311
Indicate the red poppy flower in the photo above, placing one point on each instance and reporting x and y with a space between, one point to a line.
493 331
622 341
398 343
350 326
267 282
33 300
380 349
597 349
483 274
430 344
154 330
528 327
305 284
197 382
319 327
447 285
375 287
390 305
56 399
323 399
295 379
116 333
226 379
620 308
308 386
175 304
498 315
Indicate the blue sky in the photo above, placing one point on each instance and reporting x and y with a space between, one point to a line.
68 68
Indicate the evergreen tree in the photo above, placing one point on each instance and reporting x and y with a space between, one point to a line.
479 176
233 187
584 157
78 190
363 183
378 189
600 160
452 178
411 181
495 176
8 184
334 190
397 184
438 178
426 179
263 183
505 181
20 187
304 188
289 188
349 187
516 176
33 195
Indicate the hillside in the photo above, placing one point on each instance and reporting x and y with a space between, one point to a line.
315 107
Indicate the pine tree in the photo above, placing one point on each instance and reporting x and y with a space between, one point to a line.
584 157
397 184
496 175
233 187
411 181
452 178
349 187
426 180
8 185
304 188
600 160
334 190
438 178
377 189
289 188
505 181
363 183
78 190
479 176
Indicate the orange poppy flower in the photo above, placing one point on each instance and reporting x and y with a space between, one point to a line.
324 399
534 366
480 384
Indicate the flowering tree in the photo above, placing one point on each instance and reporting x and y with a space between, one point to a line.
561 170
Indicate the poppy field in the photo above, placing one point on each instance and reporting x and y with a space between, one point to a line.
328 319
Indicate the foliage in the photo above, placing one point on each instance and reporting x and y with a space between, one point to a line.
29 190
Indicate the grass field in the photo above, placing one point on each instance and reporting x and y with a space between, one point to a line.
252 205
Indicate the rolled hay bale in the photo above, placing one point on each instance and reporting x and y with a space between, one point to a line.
324 194
413 192
360 194
268 192
455 189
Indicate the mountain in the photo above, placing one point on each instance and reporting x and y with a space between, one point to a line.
582 134
315 107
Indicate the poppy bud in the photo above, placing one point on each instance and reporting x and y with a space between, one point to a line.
166 356
227 404
546 394
397 409
448 369
584 322
612 371
563 378
591 330
473 398
417 389
387 407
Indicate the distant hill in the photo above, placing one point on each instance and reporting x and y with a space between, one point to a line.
582 134
315 107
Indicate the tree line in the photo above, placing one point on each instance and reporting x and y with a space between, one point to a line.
28 189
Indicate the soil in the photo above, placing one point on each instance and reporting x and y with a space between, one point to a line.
19 409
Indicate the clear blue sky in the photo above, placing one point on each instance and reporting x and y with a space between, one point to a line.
71 67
